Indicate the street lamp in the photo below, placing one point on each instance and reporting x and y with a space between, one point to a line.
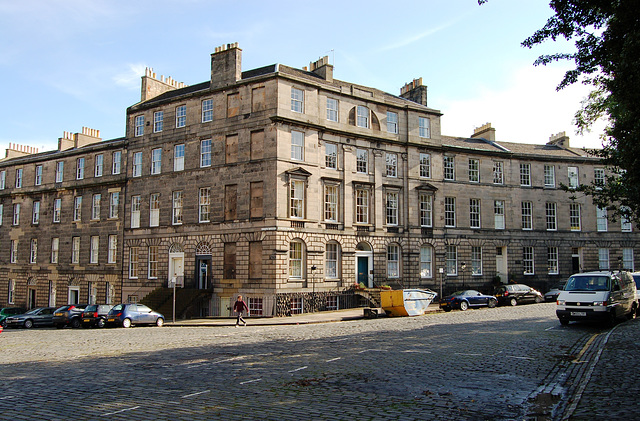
313 284
463 266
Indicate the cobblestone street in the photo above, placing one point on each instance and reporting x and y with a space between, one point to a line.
494 364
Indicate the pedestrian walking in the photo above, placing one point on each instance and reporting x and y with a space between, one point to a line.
239 306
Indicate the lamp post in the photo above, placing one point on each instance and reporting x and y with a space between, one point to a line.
463 266
313 284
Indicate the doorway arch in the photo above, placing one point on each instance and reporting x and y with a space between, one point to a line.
364 264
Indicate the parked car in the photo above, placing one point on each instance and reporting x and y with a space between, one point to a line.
126 315
636 279
9 311
553 293
40 316
95 315
467 299
514 294
70 315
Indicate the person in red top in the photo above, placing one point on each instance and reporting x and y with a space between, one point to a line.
239 306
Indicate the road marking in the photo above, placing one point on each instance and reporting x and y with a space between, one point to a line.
198 365
195 394
417 351
251 381
6 397
297 369
520 358
468 355
584 348
549 328
333 359
372 350
122 410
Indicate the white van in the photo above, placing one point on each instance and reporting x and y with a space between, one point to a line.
599 296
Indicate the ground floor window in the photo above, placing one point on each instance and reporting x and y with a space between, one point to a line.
74 295
332 302
255 306
296 305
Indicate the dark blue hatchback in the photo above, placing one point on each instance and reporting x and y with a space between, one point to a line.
466 299
126 315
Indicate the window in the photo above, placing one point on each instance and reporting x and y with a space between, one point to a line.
426 210
14 251
152 272
95 247
19 178
296 209
158 118
527 216
297 145
331 192
256 199
426 262
362 119
154 209
474 213
79 169
177 208
137 164
133 263
204 204
156 161
99 165
114 204
627 259
552 260
3 177
449 168
229 261
451 260
331 260
574 217
392 208
392 122
476 260
449 211
231 149
35 216
598 177
572 173
205 153
296 305
551 215
181 116
135 211
57 209
424 127
59 171
139 125
55 248
95 206
603 259
113 249
77 208
16 214
549 176
498 214
75 250
38 176
295 259
362 160
525 175
178 157
498 172
625 222
527 261
207 110
474 170
116 159
332 109
255 259
297 100
393 261
257 144
255 305
331 155
1 213
12 291
362 206
391 161
33 256
425 165
230 202
601 219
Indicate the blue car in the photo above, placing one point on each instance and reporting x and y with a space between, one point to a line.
126 315
466 299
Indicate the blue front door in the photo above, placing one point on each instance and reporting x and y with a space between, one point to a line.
363 269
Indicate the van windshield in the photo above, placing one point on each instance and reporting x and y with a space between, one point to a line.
588 283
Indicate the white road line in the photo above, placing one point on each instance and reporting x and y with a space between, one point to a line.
468 355
6 397
122 410
372 350
195 394
215 362
333 359
417 351
520 358
549 328
297 369
251 381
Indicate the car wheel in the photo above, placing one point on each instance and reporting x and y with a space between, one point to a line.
159 322
538 299
28 324
447 309
464 306
101 323
126 323
3 324
492 303
75 323
564 322
513 302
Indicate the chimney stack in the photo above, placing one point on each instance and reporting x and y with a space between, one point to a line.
77 140
560 139
152 87
415 91
14 150
322 68
484 132
226 65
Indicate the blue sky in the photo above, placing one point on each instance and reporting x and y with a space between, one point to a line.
66 64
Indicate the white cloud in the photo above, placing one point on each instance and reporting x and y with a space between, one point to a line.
130 78
418 37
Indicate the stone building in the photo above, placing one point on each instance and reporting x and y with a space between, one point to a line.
288 186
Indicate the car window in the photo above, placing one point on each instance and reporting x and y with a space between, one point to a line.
143 309
47 311
117 307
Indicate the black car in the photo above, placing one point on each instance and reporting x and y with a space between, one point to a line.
9 311
515 294
95 315
466 299
70 315
41 316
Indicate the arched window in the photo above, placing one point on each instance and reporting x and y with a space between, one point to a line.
393 261
296 259
426 261
332 260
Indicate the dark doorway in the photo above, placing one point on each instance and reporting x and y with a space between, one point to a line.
203 272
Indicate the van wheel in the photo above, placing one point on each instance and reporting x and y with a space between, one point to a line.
513 302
